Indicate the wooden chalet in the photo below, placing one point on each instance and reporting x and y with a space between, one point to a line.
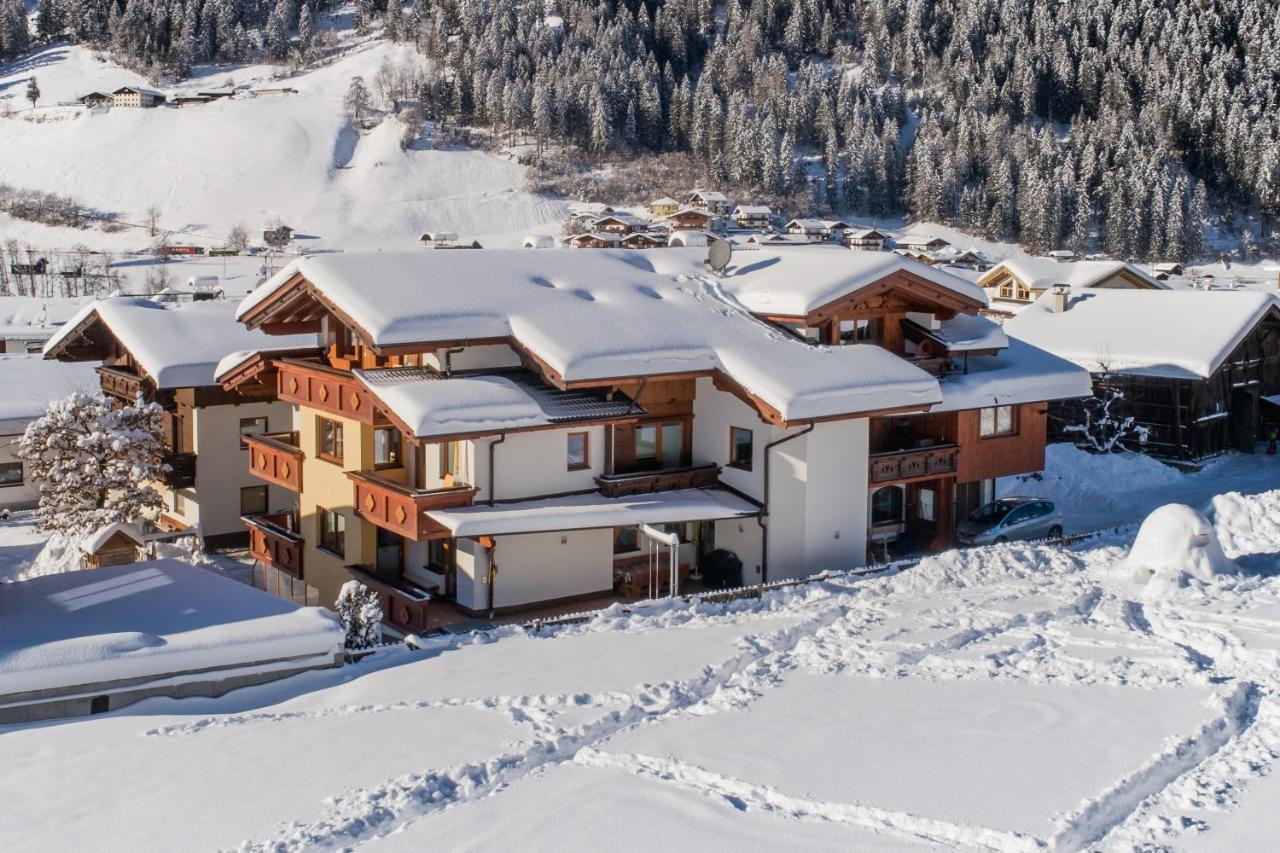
716 203
752 216
691 219
865 239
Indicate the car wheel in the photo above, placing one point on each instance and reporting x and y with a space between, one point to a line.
1055 532
1002 540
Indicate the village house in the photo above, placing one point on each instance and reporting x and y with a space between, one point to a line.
96 99
712 202
921 243
1017 282
599 411
190 100
615 223
1062 255
1199 371
594 240
644 240
166 354
538 241
664 206
1165 271
28 385
865 239
691 219
778 240
133 96
752 215
818 230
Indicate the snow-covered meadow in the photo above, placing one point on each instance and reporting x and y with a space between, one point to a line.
1021 697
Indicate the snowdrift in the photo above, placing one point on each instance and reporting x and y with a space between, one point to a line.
1176 544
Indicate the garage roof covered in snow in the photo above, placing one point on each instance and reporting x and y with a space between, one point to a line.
591 318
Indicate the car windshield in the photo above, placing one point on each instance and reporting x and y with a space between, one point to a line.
993 513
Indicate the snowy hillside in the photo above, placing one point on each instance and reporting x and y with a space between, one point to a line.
1010 698
244 161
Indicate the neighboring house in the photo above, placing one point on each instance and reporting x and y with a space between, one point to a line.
691 219
190 100
1199 370
602 240
615 223
1018 282
134 96
710 201
1062 255
921 243
28 384
752 215
818 230
96 99
534 436
278 236
865 239
26 322
779 240
539 241
166 354
1168 270
644 240
664 206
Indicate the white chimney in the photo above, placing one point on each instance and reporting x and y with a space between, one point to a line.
1061 298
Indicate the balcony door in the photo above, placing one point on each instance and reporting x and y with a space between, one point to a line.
390 555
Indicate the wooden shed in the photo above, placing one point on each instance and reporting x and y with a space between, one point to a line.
112 545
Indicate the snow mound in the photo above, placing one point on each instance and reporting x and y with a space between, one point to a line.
1246 524
1076 480
60 554
1175 544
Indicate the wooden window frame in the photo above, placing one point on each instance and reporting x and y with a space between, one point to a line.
1013 422
398 462
585 464
22 475
266 427
658 426
339 441
321 544
618 532
733 461
449 472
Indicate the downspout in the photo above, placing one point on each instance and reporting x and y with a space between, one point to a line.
492 569
448 357
493 444
764 511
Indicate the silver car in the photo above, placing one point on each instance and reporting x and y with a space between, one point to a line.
1011 518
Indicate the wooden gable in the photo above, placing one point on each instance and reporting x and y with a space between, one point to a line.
898 293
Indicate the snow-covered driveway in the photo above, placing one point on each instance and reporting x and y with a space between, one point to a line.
1013 698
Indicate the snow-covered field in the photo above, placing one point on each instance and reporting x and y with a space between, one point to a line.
1011 698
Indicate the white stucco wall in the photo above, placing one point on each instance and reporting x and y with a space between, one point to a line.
713 413
536 567
24 496
222 467
536 463
476 358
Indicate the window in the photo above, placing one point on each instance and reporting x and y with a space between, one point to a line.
996 421
179 503
741 448
660 445
646 442
10 473
886 506
579 451
625 540
924 509
330 440
386 447
439 555
34 347
253 500
333 532
857 331
251 426
451 460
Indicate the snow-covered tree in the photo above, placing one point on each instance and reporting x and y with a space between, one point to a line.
94 461
33 92
361 614
357 101
1100 425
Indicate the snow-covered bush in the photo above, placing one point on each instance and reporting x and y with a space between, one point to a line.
1176 543
361 614
1101 426
93 462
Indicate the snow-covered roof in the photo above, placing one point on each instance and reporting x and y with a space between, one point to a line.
1021 373
592 511
178 345
663 202
1176 334
140 90
752 210
968 332
539 241
28 384
806 224
95 540
433 405
688 211
593 316
779 240
708 195
146 620
919 240
1044 273
33 319
866 233
794 282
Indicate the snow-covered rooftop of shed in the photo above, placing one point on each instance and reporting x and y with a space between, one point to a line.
31 318
28 384
593 511
1021 373
178 345
1044 273
95 540
606 315
795 282
968 332
1176 334
433 405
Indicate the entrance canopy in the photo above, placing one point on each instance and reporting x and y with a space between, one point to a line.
589 511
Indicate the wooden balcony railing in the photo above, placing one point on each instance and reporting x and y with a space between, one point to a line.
404 605
276 458
899 466
273 540
399 508
321 387
120 383
644 482
182 470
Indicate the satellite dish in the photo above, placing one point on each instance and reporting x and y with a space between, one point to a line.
719 253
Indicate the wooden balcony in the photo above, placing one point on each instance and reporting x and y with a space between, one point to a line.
644 482
404 605
273 540
121 384
276 458
907 465
399 508
318 386
182 470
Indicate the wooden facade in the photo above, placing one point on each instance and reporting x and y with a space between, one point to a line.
325 389
401 509
273 539
276 458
